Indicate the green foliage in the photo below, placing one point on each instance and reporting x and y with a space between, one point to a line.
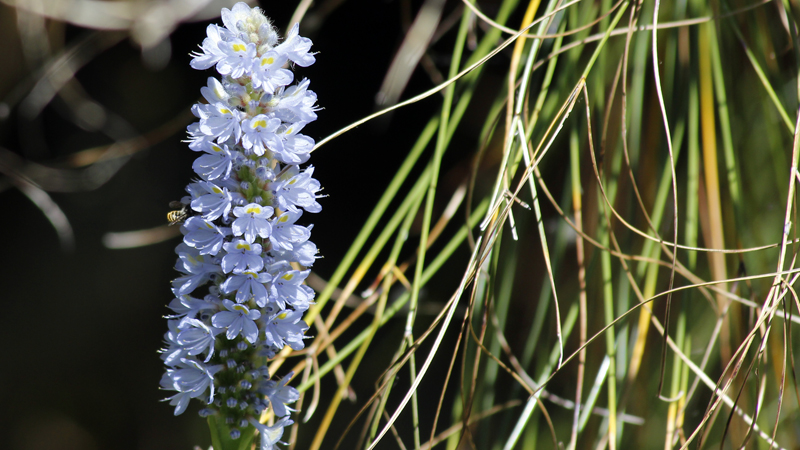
568 300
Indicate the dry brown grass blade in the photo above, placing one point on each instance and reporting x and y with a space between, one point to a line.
414 46
714 233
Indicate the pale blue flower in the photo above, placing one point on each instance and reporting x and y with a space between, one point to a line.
203 235
219 121
285 234
196 268
296 148
191 379
212 53
252 220
295 103
216 164
215 92
280 394
268 72
288 287
286 328
241 257
173 352
305 254
259 134
298 191
238 318
296 47
210 200
198 338
271 435
188 306
238 57
197 139
248 285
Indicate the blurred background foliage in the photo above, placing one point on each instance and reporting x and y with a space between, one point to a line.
94 102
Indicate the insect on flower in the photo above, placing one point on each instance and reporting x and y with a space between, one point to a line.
178 215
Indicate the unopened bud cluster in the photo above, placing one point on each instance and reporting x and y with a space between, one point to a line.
240 297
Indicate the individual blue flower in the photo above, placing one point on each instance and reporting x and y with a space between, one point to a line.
242 256
219 121
196 268
216 164
238 57
210 200
280 394
271 435
286 328
296 47
248 285
203 235
198 338
238 318
259 134
288 287
305 254
212 52
197 139
173 352
215 92
296 148
285 234
188 306
295 103
298 191
252 220
191 379
268 72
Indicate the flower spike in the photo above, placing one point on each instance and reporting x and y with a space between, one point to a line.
240 294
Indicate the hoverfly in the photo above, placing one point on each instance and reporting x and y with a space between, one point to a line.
178 215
